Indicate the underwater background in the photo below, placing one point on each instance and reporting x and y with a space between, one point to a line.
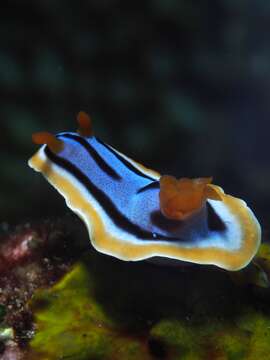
182 86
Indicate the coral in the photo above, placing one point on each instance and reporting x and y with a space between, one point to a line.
31 257
12 352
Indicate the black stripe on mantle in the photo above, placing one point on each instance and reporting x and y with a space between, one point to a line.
94 154
124 161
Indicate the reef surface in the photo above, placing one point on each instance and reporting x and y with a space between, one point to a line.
60 299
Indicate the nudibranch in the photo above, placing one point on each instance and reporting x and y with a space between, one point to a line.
134 213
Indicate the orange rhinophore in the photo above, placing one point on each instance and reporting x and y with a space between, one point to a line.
54 144
85 124
181 198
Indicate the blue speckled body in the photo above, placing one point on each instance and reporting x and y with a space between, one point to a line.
134 195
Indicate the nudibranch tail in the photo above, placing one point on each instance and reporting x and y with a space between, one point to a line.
46 138
133 213
85 124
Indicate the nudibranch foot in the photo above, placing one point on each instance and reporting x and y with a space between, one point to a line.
133 213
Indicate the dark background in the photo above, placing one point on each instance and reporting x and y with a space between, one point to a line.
182 86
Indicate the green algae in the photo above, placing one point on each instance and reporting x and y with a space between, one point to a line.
72 325
107 309
177 336
207 341
263 257
6 333
233 344
257 325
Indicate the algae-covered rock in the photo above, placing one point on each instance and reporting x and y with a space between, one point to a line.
211 340
86 305
108 309
177 336
72 325
257 325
